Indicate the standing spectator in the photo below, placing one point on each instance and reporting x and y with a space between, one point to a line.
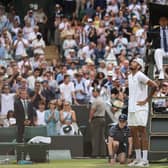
30 16
36 95
41 20
67 117
20 45
32 78
38 45
51 119
3 18
80 89
7 101
120 141
97 123
69 8
138 110
67 90
47 91
25 114
40 112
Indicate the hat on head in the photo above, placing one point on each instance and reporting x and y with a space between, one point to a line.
123 117
118 104
110 73
139 61
89 61
102 61
90 19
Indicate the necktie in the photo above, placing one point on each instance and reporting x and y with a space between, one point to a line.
165 40
25 109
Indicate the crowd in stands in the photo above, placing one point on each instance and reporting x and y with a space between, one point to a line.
96 39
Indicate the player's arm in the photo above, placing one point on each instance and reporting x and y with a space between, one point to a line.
153 86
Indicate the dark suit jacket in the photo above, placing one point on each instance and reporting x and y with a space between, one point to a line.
154 37
20 114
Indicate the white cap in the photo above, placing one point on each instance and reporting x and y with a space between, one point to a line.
90 19
139 61
110 73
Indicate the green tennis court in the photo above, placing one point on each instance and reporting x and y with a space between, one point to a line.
77 163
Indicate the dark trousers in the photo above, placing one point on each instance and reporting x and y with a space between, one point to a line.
98 137
20 132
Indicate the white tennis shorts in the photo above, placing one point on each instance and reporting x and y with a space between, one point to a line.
139 118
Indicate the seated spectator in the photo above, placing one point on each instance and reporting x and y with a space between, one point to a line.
40 112
67 117
51 119
10 119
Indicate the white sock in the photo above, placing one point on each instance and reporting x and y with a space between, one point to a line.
138 154
145 155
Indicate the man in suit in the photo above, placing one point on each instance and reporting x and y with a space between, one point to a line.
158 39
25 114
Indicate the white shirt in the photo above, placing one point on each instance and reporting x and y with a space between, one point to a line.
31 81
7 103
40 44
40 117
138 91
66 91
20 49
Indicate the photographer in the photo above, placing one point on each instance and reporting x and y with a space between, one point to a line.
38 45
119 141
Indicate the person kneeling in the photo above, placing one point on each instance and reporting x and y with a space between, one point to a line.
119 141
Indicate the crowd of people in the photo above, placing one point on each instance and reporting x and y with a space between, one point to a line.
96 41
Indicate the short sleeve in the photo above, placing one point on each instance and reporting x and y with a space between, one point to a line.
143 78
112 131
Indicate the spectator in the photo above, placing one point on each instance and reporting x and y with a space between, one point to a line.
32 78
47 91
25 114
41 20
67 90
36 95
30 16
51 119
80 89
67 117
20 45
40 112
38 45
10 119
7 101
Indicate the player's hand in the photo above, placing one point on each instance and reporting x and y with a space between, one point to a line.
141 103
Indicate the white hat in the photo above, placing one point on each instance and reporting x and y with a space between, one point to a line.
89 61
110 73
90 19
139 61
